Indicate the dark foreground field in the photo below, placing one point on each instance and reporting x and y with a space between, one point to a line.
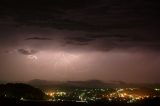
48 103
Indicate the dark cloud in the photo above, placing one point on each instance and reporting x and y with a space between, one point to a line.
27 51
38 38
104 23
80 39
74 43
96 36
106 42
83 39
85 15
105 39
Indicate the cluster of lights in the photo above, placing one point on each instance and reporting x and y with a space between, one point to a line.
157 89
53 94
122 95
77 95
128 95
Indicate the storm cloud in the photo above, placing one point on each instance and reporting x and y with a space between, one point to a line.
114 23
38 38
80 39
27 51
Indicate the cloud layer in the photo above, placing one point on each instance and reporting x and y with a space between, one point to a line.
38 38
80 39
104 24
27 51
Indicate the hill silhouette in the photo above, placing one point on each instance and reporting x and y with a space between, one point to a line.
19 90
82 84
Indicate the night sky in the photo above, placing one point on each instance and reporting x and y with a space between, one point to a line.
109 40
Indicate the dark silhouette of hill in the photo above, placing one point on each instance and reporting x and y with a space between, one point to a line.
3 82
88 81
87 84
19 90
70 84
